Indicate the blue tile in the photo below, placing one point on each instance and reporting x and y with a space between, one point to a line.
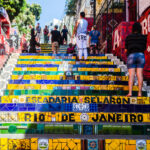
32 109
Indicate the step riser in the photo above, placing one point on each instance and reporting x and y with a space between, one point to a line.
25 117
69 107
76 99
44 95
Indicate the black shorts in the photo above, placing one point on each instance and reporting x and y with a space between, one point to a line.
64 38
94 46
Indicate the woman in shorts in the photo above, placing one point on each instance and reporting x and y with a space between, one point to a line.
136 45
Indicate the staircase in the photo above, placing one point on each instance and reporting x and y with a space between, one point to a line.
47 48
57 103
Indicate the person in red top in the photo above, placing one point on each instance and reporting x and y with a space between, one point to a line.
70 49
46 33
24 44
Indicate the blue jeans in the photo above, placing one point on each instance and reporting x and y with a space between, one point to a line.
136 60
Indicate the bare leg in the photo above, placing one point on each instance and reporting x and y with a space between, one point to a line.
131 80
85 53
53 48
140 80
96 51
91 51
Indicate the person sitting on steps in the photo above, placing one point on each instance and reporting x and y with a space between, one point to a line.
70 49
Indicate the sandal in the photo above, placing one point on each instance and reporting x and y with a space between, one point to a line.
129 95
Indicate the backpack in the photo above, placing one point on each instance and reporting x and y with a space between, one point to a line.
45 31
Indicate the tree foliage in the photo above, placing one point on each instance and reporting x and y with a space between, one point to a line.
21 13
71 7
36 10
23 20
13 7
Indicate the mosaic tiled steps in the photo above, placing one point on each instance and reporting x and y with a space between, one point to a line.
75 99
66 87
68 92
73 144
47 48
71 117
40 86
69 107
88 78
74 129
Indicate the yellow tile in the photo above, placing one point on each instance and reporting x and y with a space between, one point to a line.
50 144
19 144
5 99
63 146
132 142
148 144
130 147
34 143
3 144
71 144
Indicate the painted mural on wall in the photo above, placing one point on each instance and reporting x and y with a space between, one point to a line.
145 22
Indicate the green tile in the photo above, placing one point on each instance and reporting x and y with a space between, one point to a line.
48 129
17 92
12 129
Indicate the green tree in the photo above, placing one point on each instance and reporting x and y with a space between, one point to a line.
36 10
13 7
21 13
71 7
23 20
27 17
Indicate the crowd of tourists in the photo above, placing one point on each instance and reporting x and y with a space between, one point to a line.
86 42
89 43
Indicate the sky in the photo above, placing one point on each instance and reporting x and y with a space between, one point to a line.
50 9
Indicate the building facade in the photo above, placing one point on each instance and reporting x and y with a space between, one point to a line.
110 13
54 22
69 21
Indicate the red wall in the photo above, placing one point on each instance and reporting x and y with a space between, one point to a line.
118 39
123 30
90 23
132 10
105 27
145 22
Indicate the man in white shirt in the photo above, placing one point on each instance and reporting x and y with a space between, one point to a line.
80 30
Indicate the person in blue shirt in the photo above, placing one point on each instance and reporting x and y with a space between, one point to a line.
94 39
38 34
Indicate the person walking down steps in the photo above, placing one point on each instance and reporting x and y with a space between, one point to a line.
64 33
135 46
38 32
33 42
80 30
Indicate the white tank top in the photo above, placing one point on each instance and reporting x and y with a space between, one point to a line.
82 27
